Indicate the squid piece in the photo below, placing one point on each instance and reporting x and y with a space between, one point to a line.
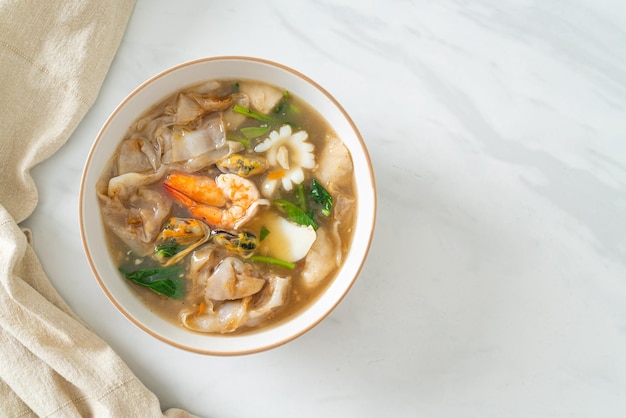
126 185
202 262
197 194
233 279
223 317
269 300
179 237
288 155
234 293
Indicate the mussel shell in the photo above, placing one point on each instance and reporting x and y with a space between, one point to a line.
241 165
178 237
242 243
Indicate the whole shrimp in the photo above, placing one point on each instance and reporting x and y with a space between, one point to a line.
227 202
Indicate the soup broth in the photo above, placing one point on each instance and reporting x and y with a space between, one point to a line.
228 206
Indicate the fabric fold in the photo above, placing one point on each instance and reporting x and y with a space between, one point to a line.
55 56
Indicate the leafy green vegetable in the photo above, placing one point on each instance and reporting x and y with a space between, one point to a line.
244 141
168 249
263 233
166 281
280 107
286 107
253 114
236 87
252 132
275 261
301 197
295 213
320 195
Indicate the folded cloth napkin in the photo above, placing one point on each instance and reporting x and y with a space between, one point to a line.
54 55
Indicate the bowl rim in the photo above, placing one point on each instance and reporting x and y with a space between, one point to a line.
82 192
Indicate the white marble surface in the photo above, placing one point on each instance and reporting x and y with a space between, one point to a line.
496 283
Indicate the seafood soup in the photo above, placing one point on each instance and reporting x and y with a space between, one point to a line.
228 206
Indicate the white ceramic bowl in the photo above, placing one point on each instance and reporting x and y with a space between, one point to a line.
153 91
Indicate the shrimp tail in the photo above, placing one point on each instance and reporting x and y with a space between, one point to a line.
200 189
209 214
181 197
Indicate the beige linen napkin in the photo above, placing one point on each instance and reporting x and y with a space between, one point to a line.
54 55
